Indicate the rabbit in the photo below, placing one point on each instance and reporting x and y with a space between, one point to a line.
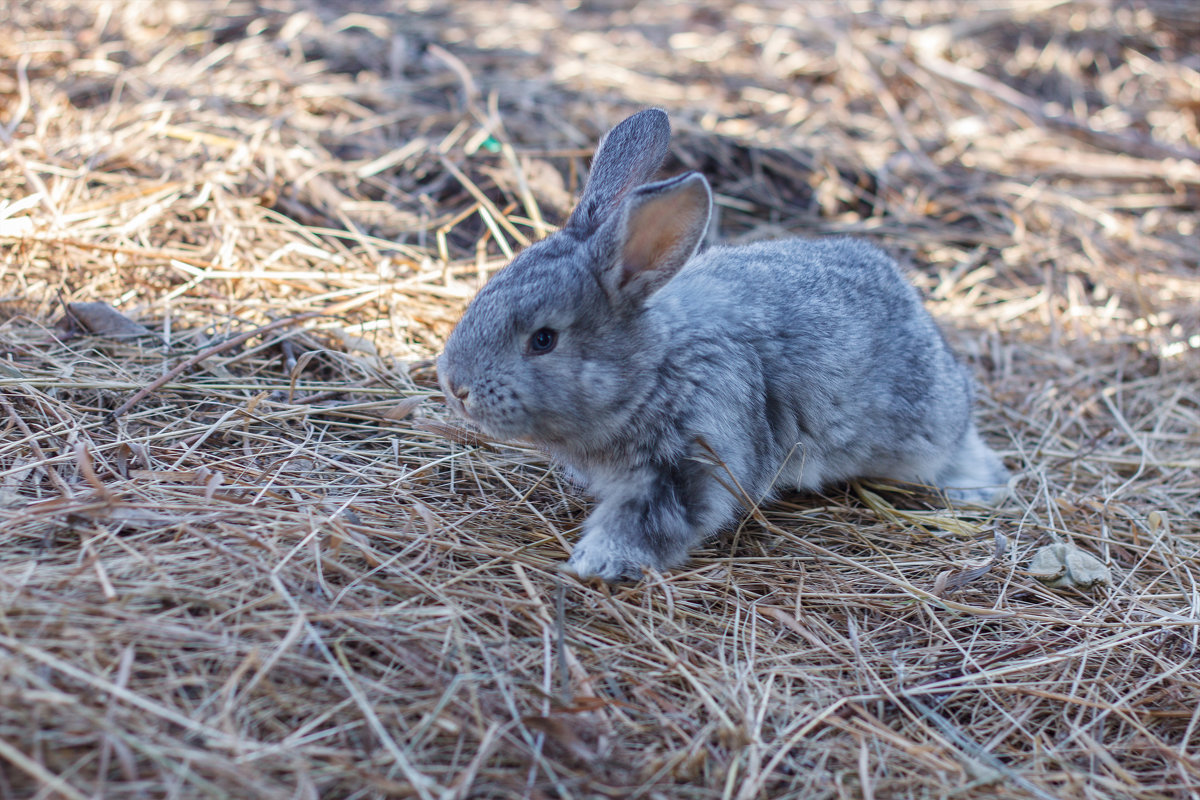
683 385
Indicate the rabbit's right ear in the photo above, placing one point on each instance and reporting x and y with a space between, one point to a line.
628 156
659 229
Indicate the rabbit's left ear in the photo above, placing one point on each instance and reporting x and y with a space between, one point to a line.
627 157
658 230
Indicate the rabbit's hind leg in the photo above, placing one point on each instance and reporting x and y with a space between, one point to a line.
974 475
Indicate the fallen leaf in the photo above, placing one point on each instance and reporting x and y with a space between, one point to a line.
405 407
101 319
1065 566
951 580
562 733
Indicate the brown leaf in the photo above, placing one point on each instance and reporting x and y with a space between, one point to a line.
405 407
950 580
560 732
101 319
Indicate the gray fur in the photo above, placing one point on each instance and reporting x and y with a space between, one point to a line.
793 363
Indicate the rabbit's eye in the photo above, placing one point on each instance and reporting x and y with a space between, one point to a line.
542 341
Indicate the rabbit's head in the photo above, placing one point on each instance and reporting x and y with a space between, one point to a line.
556 349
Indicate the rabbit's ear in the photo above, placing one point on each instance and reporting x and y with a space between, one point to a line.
659 229
627 157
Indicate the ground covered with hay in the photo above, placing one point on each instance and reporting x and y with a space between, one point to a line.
246 552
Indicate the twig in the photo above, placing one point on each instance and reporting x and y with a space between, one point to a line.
202 355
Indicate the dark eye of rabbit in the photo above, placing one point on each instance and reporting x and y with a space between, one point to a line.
542 341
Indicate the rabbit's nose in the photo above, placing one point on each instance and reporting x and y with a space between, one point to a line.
461 392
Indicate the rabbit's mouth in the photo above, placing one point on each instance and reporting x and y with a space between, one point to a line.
457 406
487 423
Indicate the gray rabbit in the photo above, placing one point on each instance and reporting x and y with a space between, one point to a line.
679 384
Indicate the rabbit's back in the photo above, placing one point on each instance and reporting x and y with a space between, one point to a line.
837 368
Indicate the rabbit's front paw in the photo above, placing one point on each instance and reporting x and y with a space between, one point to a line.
603 556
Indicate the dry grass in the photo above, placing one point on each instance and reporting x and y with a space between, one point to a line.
284 574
